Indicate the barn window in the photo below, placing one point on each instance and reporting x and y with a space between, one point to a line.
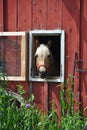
13 55
57 49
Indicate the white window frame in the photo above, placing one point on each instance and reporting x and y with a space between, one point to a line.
62 54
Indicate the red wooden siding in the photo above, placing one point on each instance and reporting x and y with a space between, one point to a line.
54 14
24 15
1 15
70 15
71 24
83 50
39 14
10 21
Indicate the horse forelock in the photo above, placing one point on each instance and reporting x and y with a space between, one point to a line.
42 50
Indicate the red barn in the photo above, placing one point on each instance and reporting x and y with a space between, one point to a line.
67 15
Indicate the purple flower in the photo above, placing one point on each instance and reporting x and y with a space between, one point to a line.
28 105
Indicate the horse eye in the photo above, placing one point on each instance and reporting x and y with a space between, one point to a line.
36 56
49 55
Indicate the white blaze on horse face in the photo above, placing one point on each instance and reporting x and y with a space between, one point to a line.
42 61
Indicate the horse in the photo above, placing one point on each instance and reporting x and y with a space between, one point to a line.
43 58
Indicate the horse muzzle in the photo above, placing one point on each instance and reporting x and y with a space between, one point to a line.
42 70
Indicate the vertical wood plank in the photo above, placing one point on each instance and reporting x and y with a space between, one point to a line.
46 87
10 20
38 91
1 16
54 97
39 12
71 24
24 15
83 79
54 14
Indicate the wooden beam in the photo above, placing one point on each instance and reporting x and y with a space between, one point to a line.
46 97
23 56
12 33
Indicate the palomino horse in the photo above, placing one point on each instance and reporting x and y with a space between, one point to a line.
44 59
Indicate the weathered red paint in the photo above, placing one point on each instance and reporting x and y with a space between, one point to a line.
1 16
21 15
54 14
71 25
24 15
39 14
10 17
83 49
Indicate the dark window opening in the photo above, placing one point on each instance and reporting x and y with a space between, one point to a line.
55 50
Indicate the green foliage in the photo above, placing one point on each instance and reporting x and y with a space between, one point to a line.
67 97
29 117
70 120
20 90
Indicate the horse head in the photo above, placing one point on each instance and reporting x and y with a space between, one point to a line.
43 58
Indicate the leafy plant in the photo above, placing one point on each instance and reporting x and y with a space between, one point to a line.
70 120
25 117
20 89
29 117
67 97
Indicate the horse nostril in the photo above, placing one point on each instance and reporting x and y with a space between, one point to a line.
42 74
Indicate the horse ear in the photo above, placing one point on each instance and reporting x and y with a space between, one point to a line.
37 43
49 44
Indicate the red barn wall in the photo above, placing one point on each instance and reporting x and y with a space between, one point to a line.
70 15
